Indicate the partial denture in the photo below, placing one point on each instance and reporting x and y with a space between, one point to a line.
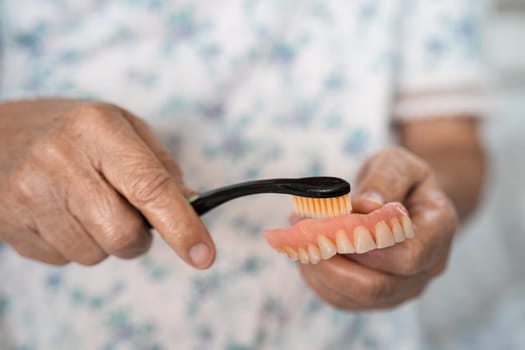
310 241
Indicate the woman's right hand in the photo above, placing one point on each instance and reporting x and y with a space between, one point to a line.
78 179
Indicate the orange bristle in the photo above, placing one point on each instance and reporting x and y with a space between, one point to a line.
320 208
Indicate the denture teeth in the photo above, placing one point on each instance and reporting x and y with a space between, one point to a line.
314 253
363 241
397 230
303 256
408 227
326 246
292 253
384 236
344 246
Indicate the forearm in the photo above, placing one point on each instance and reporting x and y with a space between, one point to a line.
452 148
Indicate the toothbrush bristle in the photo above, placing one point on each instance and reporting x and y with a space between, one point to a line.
320 208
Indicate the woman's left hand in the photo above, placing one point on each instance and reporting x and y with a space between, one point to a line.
384 278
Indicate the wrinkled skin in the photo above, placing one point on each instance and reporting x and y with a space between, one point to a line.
77 180
386 277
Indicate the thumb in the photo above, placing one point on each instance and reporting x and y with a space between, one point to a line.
132 165
389 176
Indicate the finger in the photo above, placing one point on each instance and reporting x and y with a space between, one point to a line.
66 234
341 301
160 151
136 173
294 219
113 223
329 296
387 177
30 245
412 294
435 223
361 285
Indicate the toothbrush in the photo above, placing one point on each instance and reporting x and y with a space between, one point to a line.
313 196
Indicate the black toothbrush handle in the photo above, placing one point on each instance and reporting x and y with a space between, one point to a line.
311 187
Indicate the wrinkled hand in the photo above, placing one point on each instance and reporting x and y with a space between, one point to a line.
77 180
384 278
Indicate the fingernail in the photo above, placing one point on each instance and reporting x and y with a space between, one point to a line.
200 255
372 197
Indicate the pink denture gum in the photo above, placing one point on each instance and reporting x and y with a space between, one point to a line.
313 240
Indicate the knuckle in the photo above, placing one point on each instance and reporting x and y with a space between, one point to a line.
399 152
413 261
416 293
41 256
27 253
25 183
390 176
119 227
50 148
375 291
409 268
396 151
150 188
137 250
125 241
49 157
54 261
390 153
49 151
92 114
440 268
37 169
446 213
138 122
337 303
21 190
37 180
450 215
94 111
91 259
393 151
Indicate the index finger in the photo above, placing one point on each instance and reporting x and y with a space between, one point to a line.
388 176
133 170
